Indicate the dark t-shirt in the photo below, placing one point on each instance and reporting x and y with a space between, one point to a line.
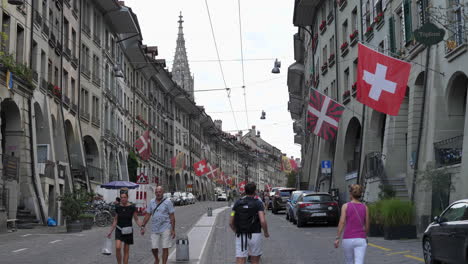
258 206
125 215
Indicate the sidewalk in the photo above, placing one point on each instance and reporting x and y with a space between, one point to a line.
312 245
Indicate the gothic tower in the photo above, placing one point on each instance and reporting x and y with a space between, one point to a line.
180 67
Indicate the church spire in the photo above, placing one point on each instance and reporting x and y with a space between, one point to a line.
180 67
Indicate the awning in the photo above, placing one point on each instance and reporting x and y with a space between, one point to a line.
107 6
187 104
298 139
123 21
304 12
296 78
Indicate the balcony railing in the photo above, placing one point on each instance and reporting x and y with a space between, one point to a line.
45 29
449 151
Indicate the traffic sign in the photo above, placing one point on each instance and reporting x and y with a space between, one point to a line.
326 166
142 179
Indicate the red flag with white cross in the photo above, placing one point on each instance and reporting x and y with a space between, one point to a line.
381 80
143 146
211 171
323 115
201 168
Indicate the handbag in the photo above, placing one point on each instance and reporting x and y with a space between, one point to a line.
126 230
360 221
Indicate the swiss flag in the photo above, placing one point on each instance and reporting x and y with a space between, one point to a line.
323 116
242 186
143 146
201 168
211 171
381 80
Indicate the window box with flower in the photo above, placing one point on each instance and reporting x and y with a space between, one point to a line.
344 48
346 96
331 60
369 33
342 4
57 91
353 37
323 26
324 68
330 18
379 20
354 89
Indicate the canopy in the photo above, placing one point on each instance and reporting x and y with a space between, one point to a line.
119 184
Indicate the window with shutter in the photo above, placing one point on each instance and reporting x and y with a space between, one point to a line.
391 33
407 20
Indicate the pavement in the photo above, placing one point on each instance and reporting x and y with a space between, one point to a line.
53 245
312 244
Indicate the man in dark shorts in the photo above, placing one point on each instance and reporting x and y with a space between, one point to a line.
247 221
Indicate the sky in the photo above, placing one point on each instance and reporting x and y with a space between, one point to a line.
267 33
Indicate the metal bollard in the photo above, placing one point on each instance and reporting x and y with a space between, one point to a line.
210 211
182 249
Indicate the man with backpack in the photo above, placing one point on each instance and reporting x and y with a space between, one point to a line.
247 221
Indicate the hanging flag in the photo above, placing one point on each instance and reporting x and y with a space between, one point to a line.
211 174
9 80
293 164
323 115
200 168
381 80
242 186
178 162
286 164
143 146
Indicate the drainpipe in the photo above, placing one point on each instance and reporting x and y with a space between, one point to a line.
88 183
61 105
361 148
337 93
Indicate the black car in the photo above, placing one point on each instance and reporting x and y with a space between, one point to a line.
290 204
446 239
280 198
316 207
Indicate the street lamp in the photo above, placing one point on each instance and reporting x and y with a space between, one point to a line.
276 67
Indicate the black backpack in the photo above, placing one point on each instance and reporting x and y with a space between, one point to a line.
246 216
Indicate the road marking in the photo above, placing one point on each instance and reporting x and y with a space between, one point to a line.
415 258
18 250
26 235
379 247
55 241
397 253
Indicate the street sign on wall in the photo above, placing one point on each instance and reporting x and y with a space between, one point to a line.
326 166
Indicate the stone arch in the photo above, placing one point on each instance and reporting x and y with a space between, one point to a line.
11 130
178 182
92 156
351 153
42 128
186 182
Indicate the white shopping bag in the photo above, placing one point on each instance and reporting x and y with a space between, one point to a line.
107 248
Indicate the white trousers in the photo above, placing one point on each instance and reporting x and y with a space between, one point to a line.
354 250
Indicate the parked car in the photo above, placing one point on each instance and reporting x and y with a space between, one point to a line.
191 198
280 198
185 199
291 202
271 194
316 207
222 197
177 196
446 239
170 197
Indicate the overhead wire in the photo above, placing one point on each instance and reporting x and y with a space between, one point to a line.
220 64
242 63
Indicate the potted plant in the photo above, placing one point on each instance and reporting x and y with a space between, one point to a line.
323 25
87 219
353 35
344 46
369 30
379 18
397 219
73 205
375 219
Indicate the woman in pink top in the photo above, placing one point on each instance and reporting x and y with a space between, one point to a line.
355 221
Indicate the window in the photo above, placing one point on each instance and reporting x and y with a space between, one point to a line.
407 21
96 26
457 212
354 20
5 42
367 15
73 90
84 101
346 79
95 110
73 44
49 71
332 45
65 83
19 44
355 68
66 33
96 67
344 33
35 55
325 55
333 90
378 7
42 70
44 10
56 76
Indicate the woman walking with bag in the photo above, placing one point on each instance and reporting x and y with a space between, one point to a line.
355 221
123 222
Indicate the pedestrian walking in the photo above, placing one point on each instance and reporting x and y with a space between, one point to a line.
123 222
355 222
161 211
247 221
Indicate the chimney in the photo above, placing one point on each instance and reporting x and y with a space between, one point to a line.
258 133
219 124
253 132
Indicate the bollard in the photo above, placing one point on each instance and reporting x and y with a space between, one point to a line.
210 211
182 249
229 203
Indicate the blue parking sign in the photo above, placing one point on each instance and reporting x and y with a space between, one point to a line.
326 166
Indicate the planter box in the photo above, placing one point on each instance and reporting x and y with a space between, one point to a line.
376 230
87 223
400 232
74 227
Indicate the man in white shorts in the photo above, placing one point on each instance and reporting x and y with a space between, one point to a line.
247 221
161 212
